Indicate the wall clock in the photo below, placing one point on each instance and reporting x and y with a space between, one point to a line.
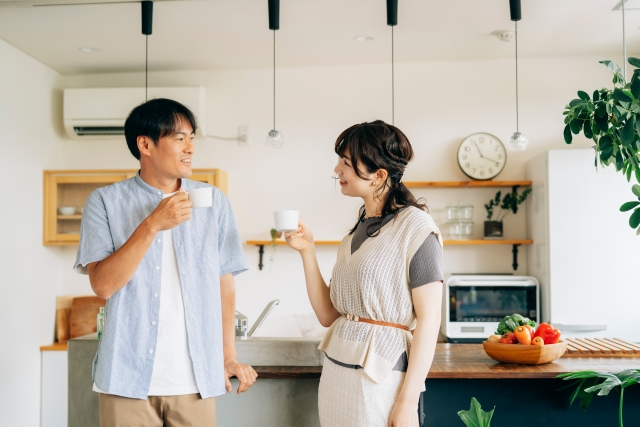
481 156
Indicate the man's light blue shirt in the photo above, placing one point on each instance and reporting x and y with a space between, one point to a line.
207 247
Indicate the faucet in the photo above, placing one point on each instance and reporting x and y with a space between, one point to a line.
242 321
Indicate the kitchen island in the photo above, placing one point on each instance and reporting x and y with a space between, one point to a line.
289 371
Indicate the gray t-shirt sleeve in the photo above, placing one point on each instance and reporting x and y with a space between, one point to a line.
426 264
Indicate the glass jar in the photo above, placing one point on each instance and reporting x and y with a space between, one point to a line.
452 213
100 322
455 230
466 229
465 213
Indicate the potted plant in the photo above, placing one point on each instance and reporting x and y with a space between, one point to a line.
275 234
587 383
610 118
493 225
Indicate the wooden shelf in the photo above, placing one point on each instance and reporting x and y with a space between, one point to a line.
69 217
467 184
282 242
58 346
513 242
446 242
488 242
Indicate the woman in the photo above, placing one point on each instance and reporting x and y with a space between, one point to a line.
387 282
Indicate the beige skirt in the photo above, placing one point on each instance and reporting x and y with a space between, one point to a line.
349 398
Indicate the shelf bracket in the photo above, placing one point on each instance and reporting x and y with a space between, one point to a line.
261 252
515 257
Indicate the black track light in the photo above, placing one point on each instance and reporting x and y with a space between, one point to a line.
274 137
392 21
147 29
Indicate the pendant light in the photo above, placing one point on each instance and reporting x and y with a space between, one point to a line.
517 141
274 137
392 21
147 24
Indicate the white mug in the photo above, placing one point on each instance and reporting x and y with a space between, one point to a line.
286 220
201 197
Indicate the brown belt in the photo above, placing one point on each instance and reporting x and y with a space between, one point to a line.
375 322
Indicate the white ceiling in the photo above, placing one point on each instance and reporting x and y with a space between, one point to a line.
210 34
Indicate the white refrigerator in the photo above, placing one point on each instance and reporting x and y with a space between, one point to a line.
584 254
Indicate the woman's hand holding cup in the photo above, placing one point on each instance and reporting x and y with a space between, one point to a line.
301 239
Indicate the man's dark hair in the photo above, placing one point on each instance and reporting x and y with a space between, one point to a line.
155 119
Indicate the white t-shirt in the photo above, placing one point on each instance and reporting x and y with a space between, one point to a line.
172 367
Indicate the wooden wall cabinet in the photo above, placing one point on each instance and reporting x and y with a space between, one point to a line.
70 188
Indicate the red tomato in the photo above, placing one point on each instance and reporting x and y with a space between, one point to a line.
509 338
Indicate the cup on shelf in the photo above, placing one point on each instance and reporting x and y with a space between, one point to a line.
67 210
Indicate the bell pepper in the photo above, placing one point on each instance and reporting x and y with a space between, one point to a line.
531 331
548 333
523 335
509 338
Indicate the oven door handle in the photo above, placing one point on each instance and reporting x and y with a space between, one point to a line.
579 328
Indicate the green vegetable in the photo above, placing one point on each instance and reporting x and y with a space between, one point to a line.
475 416
511 323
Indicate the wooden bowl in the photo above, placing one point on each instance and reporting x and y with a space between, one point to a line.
524 354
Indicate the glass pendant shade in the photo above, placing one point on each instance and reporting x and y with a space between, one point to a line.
518 142
274 138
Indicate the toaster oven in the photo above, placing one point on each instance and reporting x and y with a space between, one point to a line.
474 305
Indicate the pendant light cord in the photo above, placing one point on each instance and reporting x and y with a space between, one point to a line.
146 72
624 44
274 79
393 89
517 112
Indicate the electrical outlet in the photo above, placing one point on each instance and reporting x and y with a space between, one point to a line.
243 135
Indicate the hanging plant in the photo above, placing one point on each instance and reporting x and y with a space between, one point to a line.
610 119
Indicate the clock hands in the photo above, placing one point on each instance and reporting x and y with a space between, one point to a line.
486 158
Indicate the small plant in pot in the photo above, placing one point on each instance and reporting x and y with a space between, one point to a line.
498 208
275 234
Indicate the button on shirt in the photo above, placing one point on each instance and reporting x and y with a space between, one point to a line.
212 248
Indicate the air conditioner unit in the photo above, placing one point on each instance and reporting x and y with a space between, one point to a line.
99 113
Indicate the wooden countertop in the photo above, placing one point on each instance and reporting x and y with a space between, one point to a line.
469 361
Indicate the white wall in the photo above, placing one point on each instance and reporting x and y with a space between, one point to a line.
30 273
437 105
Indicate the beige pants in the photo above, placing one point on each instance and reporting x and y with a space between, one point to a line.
188 410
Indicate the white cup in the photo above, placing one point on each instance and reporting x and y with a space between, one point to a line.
201 197
286 220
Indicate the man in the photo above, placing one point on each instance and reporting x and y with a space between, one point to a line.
168 346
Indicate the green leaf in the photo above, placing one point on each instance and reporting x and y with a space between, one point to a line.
587 130
596 96
635 87
602 123
627 134
619 161
576 102
605 142
567 134
583 95
475 416
636 190
606 154
634 61
595 129
637 171
638 232
619 95
601 110
628 206
576 126
634 220
629 169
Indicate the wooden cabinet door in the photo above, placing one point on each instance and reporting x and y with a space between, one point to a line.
70 188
